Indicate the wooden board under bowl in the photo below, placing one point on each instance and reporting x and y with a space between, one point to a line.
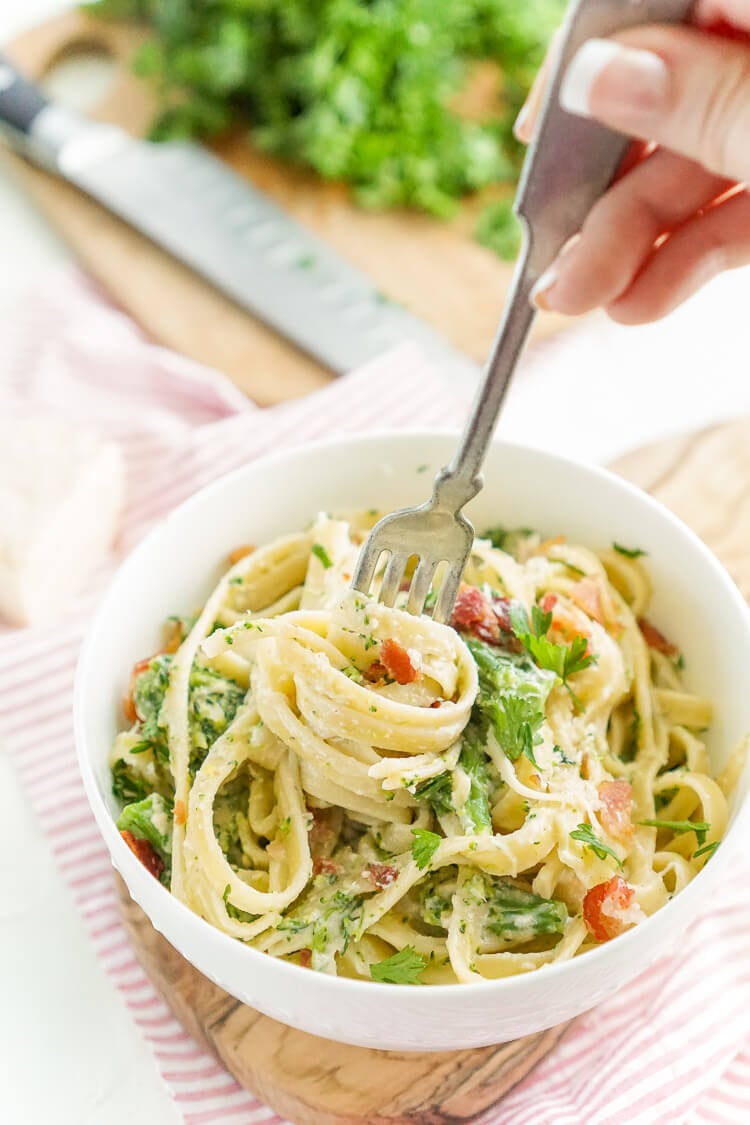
435 269
705 479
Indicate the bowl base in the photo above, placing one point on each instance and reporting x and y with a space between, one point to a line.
313 1081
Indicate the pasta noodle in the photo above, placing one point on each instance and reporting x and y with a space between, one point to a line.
373 794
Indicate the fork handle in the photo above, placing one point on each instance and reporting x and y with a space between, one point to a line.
462 479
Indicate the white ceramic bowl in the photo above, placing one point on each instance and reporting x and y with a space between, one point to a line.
696 604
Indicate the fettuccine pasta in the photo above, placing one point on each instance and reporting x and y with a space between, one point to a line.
373 794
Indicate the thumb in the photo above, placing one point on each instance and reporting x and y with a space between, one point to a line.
679 87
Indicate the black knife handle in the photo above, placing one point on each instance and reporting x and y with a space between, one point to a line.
21 101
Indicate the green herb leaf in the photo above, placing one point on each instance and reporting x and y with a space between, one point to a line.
363 93
629 552
516 722
563 660
706 849
322 555
700 827
424 846
235 912
404 967
438 792
151 819
585 834
519 915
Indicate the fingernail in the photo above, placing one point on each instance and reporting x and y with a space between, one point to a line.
541 291
541 294
618 84
521 123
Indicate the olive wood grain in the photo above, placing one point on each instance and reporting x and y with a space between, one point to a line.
436 269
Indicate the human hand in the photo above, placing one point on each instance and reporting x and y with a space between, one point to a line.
680 213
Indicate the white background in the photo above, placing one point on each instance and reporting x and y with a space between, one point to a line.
69 1052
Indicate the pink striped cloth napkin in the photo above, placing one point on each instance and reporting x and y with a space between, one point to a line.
673 1047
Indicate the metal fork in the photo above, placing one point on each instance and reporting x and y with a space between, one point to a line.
570 164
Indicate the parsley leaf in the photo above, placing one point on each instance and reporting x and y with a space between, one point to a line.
363 93
563 757
629 552
563 660
403 967
234 911
320 553
585 834
700 827
516 722
424 847
438 792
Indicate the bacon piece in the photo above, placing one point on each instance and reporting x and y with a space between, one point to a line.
128 704
128 708
473 613
305 958
436 703
322 835
382 874
548 603
144 852
615 799
486 619
240 553
180 814
656 640
587 595
608 909
376 672
398 662
323 866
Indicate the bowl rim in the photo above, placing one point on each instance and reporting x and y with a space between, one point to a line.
187 917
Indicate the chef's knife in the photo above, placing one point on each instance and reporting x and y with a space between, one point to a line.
218 224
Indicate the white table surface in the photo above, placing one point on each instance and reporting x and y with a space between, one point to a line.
69 1052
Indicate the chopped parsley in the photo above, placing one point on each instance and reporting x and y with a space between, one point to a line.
151 819
404 967
234 911
563 660
438 792
322 555
368 94
520 915
127 785
562 756
700 827
424 846
516 722
629 552
586 835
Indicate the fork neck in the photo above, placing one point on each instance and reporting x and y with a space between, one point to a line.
462 480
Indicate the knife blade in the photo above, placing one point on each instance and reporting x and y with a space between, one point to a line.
203 214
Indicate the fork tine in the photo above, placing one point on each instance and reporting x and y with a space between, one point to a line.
364 571
448 591
420 586
394 572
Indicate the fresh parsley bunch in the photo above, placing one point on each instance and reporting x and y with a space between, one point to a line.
363 92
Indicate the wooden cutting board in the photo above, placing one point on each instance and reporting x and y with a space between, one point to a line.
435 269
705 479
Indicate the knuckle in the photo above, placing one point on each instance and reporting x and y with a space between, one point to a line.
724 123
